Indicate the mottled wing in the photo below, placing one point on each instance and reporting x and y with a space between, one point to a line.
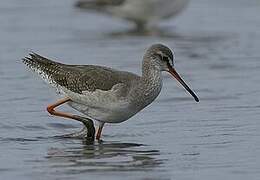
77 78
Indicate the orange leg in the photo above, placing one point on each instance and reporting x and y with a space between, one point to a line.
100 127
87 122
52 111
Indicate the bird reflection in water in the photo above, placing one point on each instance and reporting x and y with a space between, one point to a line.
103 156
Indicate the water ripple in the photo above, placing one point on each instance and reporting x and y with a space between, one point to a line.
107 156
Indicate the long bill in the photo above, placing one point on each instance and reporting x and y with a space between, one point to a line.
178 78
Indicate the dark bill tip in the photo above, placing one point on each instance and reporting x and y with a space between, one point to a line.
178 78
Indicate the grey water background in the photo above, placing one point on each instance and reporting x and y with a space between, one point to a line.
217 47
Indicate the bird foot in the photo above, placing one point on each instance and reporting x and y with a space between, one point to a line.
83 133
87 133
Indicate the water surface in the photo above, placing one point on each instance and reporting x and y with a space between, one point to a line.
217 52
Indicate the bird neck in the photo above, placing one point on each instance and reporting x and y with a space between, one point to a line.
148 86
151 78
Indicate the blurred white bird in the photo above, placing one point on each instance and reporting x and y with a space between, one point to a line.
144 13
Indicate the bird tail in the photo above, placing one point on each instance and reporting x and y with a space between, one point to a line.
40 63
44 67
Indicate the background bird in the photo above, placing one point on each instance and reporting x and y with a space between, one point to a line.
144 13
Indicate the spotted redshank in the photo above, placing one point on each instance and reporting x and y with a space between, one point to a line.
104 94
142 12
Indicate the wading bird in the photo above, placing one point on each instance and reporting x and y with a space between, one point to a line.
105 94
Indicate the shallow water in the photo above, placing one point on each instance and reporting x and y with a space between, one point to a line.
217 52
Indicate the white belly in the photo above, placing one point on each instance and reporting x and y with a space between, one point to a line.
149 10
116 114
104 106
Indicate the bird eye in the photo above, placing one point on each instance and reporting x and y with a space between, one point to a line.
165 58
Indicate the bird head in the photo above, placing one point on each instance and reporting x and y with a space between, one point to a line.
163 58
